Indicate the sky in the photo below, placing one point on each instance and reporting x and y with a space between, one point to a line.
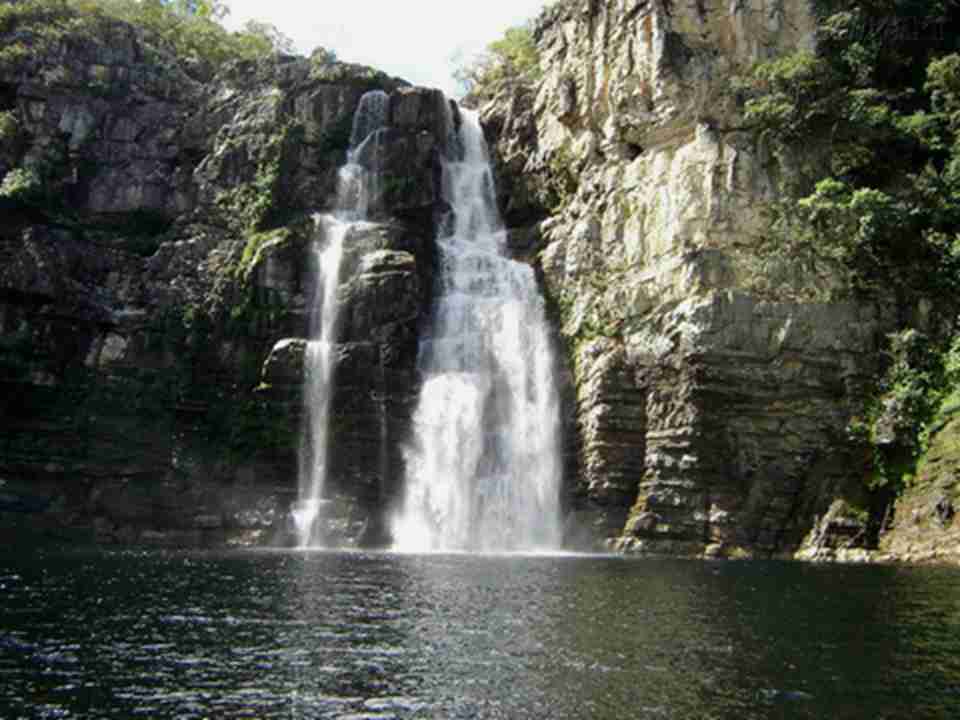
418 40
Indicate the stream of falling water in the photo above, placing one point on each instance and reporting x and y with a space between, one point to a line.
357 188
483 468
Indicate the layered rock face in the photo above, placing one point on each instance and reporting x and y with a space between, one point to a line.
711 400
153 288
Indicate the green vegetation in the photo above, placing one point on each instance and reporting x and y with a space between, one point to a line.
867 137
256 205
33 183
190 29
20 186
322 57
256 243
184 382
906 406
13 54
510 61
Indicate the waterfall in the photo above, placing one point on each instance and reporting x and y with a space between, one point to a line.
483 468
357 190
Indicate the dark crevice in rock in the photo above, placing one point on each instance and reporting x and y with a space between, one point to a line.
8 96
677 54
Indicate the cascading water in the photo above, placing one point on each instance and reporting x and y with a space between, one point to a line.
483 468
357 189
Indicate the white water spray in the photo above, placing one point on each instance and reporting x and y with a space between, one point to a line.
357 190
483 469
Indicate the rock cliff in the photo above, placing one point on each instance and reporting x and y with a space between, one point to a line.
154 250
154 279
712 395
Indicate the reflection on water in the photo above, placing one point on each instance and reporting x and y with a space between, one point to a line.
339 635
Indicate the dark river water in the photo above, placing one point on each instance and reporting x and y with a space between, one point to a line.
153 634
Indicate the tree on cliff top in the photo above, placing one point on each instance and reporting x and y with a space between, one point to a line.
193 29
511 60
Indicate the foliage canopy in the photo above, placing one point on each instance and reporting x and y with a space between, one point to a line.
512 59
877 113
192 29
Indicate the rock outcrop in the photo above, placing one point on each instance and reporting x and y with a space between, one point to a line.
712 397
153 288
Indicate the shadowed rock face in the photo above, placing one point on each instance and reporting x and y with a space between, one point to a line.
153 290
711 400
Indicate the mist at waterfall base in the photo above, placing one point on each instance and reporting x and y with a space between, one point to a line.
483 468
278 634
357 189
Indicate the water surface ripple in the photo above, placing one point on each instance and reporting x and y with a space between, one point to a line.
127 634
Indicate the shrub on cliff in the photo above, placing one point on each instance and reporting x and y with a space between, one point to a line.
868 132
511 60
192 29
19 187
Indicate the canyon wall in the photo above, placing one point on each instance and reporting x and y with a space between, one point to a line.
713 388
154 286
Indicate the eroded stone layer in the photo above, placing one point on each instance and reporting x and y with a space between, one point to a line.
713 393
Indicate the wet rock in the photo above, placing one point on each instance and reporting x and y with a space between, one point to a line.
418 110
523 242
284 364
385 292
